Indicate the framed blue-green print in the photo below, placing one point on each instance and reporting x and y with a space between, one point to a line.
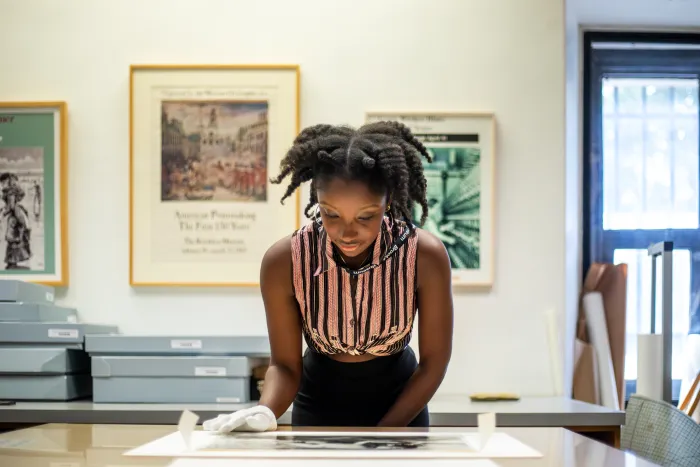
460 186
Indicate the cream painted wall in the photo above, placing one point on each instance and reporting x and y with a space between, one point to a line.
499 55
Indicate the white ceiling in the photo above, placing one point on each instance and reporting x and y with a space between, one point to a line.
650 13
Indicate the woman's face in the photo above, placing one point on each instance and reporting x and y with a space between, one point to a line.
351 213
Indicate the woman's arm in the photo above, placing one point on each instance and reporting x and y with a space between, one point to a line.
435 325
284 328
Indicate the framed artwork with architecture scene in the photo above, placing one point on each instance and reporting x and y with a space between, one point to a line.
205 141
33 187
460 191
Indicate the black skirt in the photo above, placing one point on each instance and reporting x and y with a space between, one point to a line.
342 394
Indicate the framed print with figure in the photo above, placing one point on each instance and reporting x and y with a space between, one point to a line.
205 141
460 191
33 191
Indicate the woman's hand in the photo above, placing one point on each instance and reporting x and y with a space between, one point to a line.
258 418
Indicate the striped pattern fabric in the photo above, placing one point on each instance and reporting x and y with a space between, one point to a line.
378 319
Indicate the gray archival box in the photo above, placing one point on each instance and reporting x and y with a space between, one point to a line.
248 346
43 361
44 373
63 334
25 292
171 379
37 312
45 388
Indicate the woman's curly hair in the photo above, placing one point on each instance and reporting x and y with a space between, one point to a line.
385 155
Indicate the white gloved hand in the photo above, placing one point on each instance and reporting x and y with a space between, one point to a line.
258 418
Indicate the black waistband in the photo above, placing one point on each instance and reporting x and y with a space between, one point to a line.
315 361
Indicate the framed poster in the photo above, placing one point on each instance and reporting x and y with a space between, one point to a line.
205 140
460 190
33 190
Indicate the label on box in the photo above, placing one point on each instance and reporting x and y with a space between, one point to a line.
49 297
63 333
210 371
185 344
228 400
14 443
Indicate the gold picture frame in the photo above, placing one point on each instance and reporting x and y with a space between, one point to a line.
204 142
462 213
34 188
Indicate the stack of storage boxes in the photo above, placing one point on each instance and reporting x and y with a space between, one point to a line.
175 369
42 354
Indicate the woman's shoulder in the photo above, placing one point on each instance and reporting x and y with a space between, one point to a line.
279 250
431 251
280 253
425 241
276 265
310 228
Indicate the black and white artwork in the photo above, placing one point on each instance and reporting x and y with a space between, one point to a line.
339 442
335 445
22 219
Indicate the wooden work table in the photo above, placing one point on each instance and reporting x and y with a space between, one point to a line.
99 445
446 411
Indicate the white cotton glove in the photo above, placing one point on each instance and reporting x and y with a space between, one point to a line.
258 418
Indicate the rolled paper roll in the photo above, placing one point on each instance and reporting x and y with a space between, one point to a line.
650 365
598 331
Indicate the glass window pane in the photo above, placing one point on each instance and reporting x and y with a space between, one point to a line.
659 99
657 171
686 100
629 97
685 177
609 98
630 181
638 319
650 154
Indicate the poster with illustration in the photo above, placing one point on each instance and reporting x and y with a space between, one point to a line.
460 187
205 142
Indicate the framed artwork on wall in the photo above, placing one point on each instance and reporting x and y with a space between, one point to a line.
460 191
33 191
205 141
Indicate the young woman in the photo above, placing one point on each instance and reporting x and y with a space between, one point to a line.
352 282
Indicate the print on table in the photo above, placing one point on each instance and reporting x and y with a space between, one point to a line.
335 445
369 442
214 151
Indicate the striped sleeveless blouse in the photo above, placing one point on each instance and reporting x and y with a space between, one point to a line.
379 319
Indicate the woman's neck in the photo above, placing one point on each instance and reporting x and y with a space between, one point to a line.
356 262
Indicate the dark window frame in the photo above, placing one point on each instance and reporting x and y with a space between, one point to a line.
640 61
